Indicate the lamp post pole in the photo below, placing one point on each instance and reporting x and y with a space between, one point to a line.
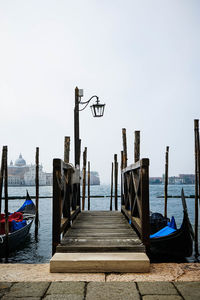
97 111
76 129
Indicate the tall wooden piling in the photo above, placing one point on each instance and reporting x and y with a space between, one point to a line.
111 187
197 178
124 147
84 177
166 179
122 182
76 130
1 180
36 191
79 151
66 149
116 180
5 165
88 185
137 146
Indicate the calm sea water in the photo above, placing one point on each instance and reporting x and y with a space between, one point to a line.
40 251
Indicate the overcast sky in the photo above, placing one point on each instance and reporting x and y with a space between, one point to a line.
142 58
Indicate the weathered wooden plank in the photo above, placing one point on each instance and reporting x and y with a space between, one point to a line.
100 231
96 248
102 235
100 225
116 222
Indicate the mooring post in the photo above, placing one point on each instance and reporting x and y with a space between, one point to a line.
76 129
196 138
5 158
116 180
166 179
66 149
36 191
88 185
124 147
79 151
137 146
1 179
122 179
56 204
111 189
84 177
65 210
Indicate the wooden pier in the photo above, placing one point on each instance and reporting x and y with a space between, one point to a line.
100 241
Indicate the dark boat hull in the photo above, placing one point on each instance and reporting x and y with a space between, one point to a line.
15 239
178 244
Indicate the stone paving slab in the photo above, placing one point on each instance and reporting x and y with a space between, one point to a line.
189 290
112 290
162 297
4 287
21 298
157 288
63 297
28 289
66 290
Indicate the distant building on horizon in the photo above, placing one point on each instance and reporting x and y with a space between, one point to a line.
94 178
21 174
155 180
181 179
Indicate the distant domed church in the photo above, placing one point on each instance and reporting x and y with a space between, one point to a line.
16 172
20 162
21 174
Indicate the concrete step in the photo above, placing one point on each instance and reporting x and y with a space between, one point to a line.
99 262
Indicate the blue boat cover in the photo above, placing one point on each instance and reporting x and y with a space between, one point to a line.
170 228
27 202
17 225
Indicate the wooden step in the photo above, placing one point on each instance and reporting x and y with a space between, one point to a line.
99 262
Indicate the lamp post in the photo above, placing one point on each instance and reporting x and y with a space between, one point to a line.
97 111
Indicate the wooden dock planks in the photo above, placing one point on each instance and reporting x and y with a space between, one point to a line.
100 241
100 231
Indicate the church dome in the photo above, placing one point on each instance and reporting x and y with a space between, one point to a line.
20 162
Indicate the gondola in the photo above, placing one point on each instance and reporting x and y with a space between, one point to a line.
19 226
172 242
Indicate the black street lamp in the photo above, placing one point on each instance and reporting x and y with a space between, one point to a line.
97 111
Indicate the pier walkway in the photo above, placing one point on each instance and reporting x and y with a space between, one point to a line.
100 241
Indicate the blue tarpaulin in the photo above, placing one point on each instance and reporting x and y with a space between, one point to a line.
27 202
18 225
166 230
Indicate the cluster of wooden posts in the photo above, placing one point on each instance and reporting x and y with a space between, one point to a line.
4 183
124 159
197 183
134 188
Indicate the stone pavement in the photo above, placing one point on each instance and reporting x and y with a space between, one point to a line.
71 290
